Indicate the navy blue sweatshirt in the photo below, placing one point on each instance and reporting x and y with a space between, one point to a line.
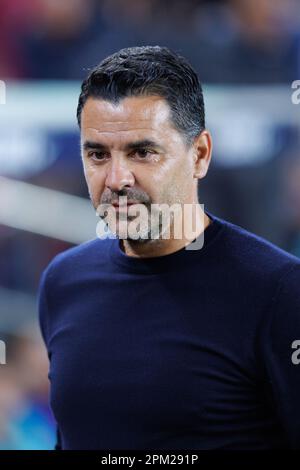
192 350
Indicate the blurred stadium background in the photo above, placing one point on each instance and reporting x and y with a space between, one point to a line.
247 54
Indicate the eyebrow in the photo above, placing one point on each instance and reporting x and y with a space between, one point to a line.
137 145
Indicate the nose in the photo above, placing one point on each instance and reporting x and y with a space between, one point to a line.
118 175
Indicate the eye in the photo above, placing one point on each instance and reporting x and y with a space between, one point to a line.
143 153
97 156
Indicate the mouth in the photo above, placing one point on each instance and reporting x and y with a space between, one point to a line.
121 206
124 208
127 204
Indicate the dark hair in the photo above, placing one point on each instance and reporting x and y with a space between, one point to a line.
149 70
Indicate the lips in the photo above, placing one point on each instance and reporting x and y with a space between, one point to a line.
130 203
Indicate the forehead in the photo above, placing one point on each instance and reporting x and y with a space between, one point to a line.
150 114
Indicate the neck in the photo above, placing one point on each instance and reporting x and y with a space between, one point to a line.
160 247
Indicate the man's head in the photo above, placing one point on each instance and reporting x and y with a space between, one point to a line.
142 121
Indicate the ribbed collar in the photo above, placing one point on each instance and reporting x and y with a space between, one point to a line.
173 261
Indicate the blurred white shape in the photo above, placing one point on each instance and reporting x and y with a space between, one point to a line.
23 151
2 92
46 212
244 119
48 105
2 352
243 139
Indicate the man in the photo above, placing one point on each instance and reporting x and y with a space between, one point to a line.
152 344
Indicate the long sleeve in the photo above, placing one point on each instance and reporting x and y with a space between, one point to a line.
42 306
43 322
281 333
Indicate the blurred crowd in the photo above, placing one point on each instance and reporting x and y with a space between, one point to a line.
26 422
250 42
228 41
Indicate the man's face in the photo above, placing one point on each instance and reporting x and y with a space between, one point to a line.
132 149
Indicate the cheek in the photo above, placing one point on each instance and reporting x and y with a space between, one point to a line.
95 182
152 183
177 184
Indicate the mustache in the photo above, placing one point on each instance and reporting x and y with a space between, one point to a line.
132 198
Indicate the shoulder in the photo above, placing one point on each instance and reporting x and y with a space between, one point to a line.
77 258
252 254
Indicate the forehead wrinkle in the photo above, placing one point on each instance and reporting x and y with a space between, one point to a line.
123 121
100 131
117 139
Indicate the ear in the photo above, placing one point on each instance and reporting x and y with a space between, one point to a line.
202 154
